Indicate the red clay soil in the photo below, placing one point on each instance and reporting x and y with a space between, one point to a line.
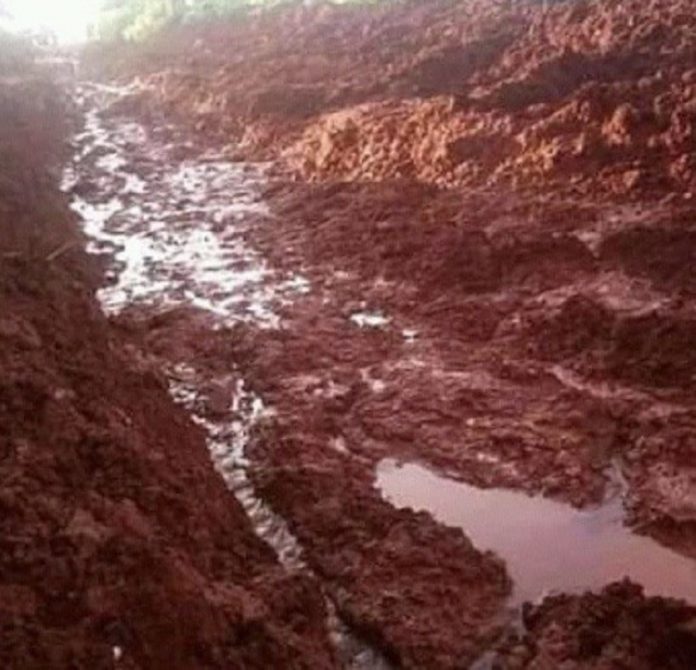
119 544
295 61
532 350
617 628
512 188
599 96
469 396
518 377
417 591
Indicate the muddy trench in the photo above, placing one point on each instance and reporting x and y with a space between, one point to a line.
301 376
168 220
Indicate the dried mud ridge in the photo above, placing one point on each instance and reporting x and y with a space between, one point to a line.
528 328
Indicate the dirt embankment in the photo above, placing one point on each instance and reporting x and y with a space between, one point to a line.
296 61
596 96
119 545
593 96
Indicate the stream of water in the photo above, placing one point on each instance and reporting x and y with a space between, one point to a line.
171 222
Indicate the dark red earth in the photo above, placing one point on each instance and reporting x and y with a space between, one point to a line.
512 185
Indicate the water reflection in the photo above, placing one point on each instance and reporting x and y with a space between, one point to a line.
547 546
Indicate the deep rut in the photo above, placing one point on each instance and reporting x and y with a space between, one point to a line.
169 222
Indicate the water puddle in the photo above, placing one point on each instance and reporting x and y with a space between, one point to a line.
547 546
226 442
369 319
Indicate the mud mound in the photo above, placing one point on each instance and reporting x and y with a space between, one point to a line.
595 93
644 348
586 94
618 627
655 349
104 550
580 325
442 242
664 253
418 590
394 231
417 140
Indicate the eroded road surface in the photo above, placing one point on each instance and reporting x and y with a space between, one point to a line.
169 221
311 434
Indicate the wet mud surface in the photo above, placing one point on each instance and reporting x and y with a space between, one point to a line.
547 547
360 547
533 361
553 369
308 354
469 263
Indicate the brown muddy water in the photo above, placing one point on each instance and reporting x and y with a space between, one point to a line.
548 547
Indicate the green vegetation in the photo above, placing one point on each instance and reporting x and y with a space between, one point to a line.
136 19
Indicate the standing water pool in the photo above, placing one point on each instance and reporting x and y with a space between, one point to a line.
547 546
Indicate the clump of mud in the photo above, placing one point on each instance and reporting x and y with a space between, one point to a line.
618 627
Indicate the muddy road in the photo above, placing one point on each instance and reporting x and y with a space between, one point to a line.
389 444
349 336
186 284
